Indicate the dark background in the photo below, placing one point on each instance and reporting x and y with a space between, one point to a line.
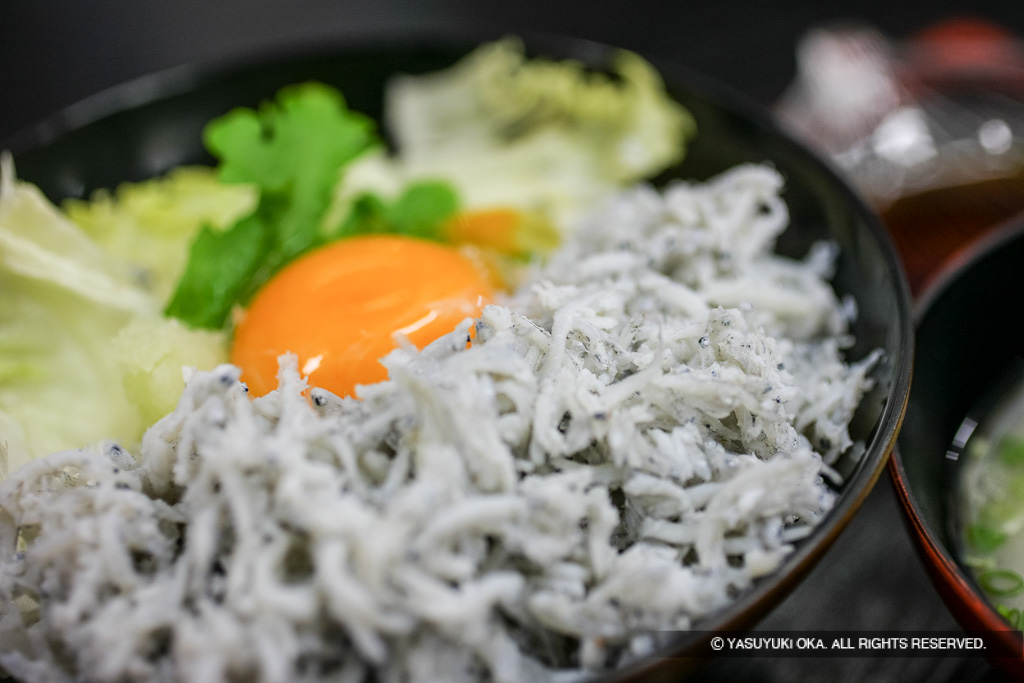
56 52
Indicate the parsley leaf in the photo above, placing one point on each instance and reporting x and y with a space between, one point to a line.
293 150
220 268
420 211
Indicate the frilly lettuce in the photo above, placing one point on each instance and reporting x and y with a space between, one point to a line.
77 326
150 224
534 133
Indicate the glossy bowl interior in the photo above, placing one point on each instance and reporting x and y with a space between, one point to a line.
146 127
969 332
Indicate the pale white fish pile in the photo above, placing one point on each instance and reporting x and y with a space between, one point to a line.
624 448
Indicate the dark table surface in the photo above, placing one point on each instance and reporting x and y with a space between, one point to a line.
56 52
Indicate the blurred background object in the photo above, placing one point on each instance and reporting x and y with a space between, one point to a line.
55 52
930 129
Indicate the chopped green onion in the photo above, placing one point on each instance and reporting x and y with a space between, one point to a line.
1011 450
984 538
1012 615
1002 582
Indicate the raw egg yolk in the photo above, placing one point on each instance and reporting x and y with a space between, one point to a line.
338 307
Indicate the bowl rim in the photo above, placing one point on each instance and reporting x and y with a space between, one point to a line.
745 611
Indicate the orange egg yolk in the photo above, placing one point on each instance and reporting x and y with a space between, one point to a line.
338 307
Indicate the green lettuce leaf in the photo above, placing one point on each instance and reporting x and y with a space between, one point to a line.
151 224
536 134
65 379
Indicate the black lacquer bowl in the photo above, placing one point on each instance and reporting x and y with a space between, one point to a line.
147 126
970 339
